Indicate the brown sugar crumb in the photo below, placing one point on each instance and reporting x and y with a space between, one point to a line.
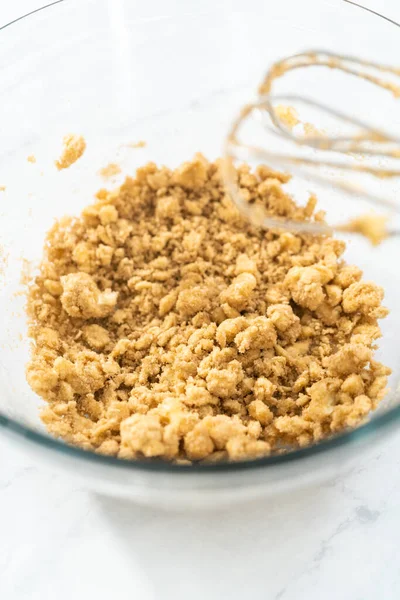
31 158
110 170
74 147
373 227
166 325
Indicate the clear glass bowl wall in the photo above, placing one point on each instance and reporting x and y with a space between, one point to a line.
174 75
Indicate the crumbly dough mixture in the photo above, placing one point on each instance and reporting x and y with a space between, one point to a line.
110 170
165 325
139 144
74 147
373 227
288 115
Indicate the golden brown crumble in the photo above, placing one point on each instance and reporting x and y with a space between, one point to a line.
165 325
373 227
312 131
290 118
288 115
110 170
74 147
31 158
139 144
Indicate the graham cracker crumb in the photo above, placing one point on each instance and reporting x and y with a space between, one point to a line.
74 147
31 158
166 325
2 188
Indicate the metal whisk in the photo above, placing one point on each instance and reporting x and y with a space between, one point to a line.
332 161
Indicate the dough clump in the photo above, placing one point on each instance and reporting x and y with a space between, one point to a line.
74 147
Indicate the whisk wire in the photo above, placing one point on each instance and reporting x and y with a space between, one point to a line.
332 154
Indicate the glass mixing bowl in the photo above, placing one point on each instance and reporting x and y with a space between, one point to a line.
173 74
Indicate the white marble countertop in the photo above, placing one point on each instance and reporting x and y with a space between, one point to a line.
340 540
